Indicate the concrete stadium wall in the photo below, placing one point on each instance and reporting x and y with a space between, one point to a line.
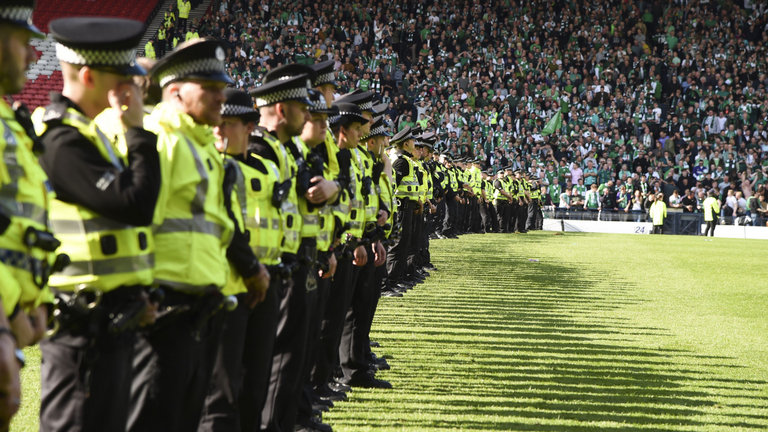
722 231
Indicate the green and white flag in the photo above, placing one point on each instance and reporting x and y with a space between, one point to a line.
554 124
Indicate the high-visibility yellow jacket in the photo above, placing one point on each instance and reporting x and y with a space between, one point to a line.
317 222
658 212
289 208
409 187
191 226
711 207
25 201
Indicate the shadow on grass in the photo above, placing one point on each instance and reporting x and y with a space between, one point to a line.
533 347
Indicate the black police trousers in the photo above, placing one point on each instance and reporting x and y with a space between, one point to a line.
451 216
315 320
332 326
503 212
288 355
354 346
397 255
257 353
86 382
221 410
173 362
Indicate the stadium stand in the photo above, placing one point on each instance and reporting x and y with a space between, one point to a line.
45 75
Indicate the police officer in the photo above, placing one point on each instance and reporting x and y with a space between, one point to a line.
312 192
452 198
376 141
355 251
421 235
475 179
407 195
354 349
339 169
283 104
514 189
24 202
318 224
534 207
524 200
192 231
103 207
162 41
502 200
221 412
263 181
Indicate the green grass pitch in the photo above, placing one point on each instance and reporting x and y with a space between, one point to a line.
602 333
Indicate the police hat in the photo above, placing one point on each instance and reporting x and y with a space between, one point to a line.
238 103
402 136
510 169
324 73
363 99
319 106
380 108
286 83
378 128
428 138
101 43
348 113
289 71
19 13
198 59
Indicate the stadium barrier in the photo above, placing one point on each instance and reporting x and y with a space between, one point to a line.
676 223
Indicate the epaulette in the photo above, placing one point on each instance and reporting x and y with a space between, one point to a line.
258 137
54 112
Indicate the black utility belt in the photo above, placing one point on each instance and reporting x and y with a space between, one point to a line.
90 312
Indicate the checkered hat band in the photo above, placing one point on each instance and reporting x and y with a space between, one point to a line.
379 131
325 78
95 57
282 95
16 13
334 119
319 105
194 67
367 106
235 110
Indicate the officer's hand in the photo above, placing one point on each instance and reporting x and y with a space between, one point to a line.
457 199
10 384
380 254
38 319
322 191
257 286
126 99
432 208
21 326
381 218
149 315
331 267
360 256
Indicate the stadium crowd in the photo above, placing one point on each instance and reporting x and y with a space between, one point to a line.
672 92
